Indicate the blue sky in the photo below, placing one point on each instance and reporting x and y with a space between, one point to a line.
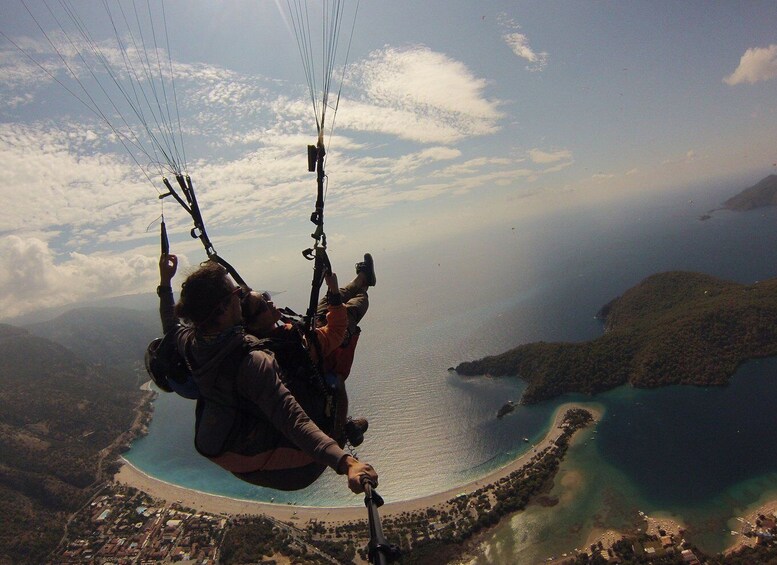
452 114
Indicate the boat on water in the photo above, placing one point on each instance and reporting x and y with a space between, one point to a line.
508 407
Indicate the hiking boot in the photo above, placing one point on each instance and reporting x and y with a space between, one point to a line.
368 268
354 430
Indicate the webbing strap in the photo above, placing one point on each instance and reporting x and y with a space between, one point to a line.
198 231
317 253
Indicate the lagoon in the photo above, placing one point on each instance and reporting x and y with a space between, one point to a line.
699 454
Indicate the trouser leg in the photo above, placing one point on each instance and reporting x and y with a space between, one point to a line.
356 302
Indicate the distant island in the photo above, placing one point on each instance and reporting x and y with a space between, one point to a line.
760 195
671 328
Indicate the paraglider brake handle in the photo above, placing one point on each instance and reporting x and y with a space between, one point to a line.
319 253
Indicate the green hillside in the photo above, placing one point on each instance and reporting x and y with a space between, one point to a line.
115 337
57 414
672 328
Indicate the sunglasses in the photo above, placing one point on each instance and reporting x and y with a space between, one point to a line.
240 291
261 307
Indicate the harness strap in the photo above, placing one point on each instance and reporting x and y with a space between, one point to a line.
322 265
198 231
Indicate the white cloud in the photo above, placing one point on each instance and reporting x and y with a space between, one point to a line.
73 178
410 124
474 166
488 172
757 64
519 44
19 71
544 157
409 163
31 277
689 157
49 179
559 167
71 191
80 202
419 94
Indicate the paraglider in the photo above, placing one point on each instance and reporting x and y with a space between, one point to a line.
130 87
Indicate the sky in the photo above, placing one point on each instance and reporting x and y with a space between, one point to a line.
444 117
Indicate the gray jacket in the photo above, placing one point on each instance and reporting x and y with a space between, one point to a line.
281 434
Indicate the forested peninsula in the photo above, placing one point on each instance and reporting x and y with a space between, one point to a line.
760 195
671 328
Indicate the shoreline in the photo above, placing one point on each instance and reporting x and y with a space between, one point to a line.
769 507
218 504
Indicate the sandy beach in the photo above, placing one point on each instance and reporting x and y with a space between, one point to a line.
768 508
607 537
131 476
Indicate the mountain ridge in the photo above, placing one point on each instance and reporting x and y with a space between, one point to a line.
110 336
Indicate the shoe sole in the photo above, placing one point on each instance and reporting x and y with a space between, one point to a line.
370 265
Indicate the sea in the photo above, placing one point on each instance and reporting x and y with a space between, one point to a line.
703 455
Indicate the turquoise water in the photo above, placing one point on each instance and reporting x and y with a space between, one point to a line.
540 279
701 455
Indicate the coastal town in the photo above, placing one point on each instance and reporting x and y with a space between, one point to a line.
122 524
660 539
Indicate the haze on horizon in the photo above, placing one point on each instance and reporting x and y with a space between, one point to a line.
452 114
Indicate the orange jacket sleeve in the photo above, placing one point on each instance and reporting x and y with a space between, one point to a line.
332 334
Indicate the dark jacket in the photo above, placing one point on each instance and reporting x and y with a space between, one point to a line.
248 420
